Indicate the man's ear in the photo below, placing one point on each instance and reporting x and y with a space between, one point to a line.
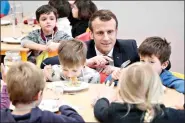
165 64
116 31
91 35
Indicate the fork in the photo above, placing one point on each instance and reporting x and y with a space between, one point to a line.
125 64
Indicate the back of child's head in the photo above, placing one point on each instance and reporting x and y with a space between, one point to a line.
45 9
85 9
72 53
24 81
139 84
63 7
155 46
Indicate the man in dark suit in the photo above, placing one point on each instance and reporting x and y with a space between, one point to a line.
103 25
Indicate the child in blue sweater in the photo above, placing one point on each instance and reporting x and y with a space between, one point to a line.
157 51
25 85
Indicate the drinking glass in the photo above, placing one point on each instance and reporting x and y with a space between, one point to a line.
58 90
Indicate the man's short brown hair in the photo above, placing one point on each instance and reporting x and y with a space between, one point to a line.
156 46
24 81
72 53
103 15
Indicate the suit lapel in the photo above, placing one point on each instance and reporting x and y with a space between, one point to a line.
91 50
119 55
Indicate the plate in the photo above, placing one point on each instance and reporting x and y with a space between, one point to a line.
47 104
5 22
12 40
83 85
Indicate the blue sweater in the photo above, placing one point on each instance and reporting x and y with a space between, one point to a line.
68 115
168 80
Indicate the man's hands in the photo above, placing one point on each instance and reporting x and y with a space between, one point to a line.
98 61
116 74
102 64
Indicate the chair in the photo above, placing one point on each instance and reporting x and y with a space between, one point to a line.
84 37
178 75
45 55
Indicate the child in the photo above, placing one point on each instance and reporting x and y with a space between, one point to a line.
37 40
140 90
72 57
63 9
157 51
82 10
5 102
25 84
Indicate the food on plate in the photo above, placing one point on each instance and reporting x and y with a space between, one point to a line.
73 82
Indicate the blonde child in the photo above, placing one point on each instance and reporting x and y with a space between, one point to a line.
25 85
140 90
72 57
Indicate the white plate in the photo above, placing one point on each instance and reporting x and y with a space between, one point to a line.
5 22
12 40
48 104
83 85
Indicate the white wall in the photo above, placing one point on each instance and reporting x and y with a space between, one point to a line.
139 19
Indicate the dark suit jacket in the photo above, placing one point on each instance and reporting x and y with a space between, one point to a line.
123 50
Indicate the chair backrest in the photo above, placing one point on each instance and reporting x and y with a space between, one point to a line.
84 37
178 75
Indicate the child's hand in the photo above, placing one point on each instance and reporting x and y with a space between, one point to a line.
52 46
47 72
181 103
3 72
105 91
116 74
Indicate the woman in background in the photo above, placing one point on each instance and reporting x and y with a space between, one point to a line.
82 10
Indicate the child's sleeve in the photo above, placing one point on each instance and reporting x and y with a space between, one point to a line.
171 81
30 38
61 35
70 114
109 78
56 73
101 109
90 75
5 101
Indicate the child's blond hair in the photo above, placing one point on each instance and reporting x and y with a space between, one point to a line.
72 53
139 84
24 81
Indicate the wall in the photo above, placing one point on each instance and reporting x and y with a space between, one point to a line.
139 19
